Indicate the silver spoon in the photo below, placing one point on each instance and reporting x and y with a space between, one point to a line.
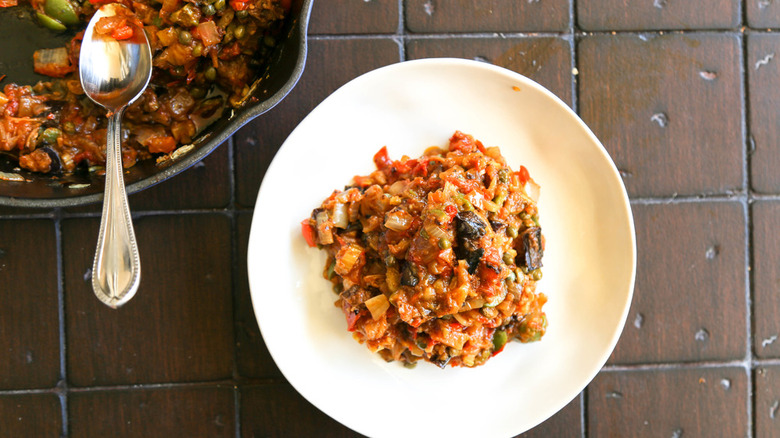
114 73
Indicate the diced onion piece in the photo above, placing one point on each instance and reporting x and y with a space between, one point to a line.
532 189
397 188
393 279
52 62
461 319
324 232
347 258
377 305
208 33
490 206
398 220
340 216
436 232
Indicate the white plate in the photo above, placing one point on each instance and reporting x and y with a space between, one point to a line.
589 262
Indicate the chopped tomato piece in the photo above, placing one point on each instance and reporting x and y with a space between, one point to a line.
122 33
239 5
382 160
163 145
523 175
308 233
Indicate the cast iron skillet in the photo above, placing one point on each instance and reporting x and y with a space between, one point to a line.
21 37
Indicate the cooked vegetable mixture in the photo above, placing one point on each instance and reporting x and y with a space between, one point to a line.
206 55
436 258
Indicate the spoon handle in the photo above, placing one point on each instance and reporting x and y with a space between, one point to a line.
116 272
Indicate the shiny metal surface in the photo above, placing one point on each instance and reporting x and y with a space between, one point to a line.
114 74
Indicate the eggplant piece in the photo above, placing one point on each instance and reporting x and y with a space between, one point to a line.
409 275
56 162
530 252
469 228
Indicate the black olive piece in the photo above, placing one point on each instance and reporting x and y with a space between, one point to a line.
409 275
531 252
469 225
472 259
497 225
441 363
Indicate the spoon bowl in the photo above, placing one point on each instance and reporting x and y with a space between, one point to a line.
115 70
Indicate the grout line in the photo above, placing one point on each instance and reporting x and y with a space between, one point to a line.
232 181
538 34
677 365
747 177
62 386
401 32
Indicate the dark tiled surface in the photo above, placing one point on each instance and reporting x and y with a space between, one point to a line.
424 16
673 316
766 278
683 96
764 75
659 14
669 403
663 105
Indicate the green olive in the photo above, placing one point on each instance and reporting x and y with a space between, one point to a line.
197 92
211 73
219 4
62 11
50 23
69 127
508 258
185 37
50 135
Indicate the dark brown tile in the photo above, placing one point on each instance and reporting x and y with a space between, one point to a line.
252 357
701 402
277 410
350 17
257 143
762 14
204 185
566 423
29 315
158 412
30 415
665 107
764 79
689 301
178 327
545 60
432 16
658 14
766 277
767 401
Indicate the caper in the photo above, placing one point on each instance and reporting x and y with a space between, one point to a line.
208 10
511 277
69 127
242 14
179 71
508 258
197 92
536 274
50 135
444 243
197 49
157 22
269 41
185 37
210 73
511 232
239 31
219 4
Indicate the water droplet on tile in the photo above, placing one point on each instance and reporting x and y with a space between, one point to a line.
708 75
773 409
677 433
725 383
29 357
614 394
712 252
661 119
764 61
88 275
702 335
768 341
428 7
639 320
763 4
659 3
481 58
